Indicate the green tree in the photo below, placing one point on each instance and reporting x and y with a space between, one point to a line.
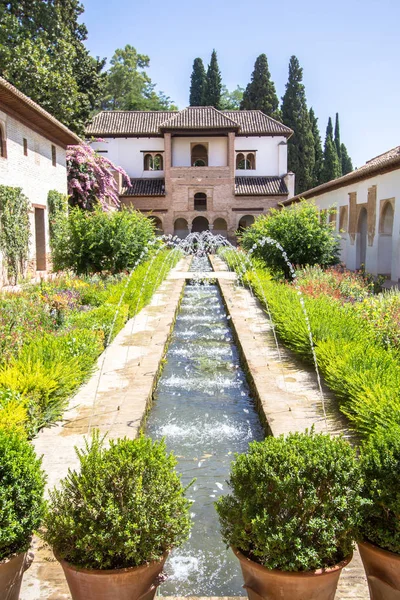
42 53
197 83
347 165
337 140
213 90
301 153
231 100
128 86
260 93
319 155
332 168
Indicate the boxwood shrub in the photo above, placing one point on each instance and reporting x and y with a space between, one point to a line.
294 503
124 507
380 463
21 493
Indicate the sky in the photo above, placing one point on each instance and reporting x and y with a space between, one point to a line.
349 51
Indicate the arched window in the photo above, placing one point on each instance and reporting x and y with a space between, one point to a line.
153 162
3 143
148 162
199 156
245 161
343 219
158 163
240 161
200 201
387 219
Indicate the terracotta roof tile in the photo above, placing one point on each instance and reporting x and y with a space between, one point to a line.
254 122
199 117
387 161
145 187
260 186
126 123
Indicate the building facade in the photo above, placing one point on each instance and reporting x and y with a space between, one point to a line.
198 168
367 214
32 157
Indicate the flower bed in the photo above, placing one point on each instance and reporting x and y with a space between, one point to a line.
51 335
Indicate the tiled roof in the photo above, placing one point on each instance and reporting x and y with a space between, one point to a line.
145 187
387 161
129 122
12 98
199 117
126 123
260 186
254 122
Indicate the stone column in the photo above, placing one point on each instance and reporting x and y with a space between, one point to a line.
231 154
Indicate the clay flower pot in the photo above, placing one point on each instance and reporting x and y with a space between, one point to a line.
135 583
11 573
383 571
271 584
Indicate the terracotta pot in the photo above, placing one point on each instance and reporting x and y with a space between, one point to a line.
11 573
135 583
271 584
383 571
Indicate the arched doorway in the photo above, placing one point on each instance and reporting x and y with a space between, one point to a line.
199 156
245 222
158 226
220 227
361 243
385 240
200 224
181 228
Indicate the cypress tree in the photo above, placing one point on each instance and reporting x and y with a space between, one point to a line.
213 88
347 165
319 155
332 169
301 153
337 139
260 93
197 83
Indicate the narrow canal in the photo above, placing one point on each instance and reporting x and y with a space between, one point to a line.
204 410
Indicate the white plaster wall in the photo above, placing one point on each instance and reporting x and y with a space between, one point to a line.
34 173
127 153
271 157
217 150
388 186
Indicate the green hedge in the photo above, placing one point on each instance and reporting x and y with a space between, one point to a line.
363 373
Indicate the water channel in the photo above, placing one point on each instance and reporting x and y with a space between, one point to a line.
204 410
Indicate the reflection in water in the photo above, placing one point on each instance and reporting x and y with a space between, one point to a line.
204 410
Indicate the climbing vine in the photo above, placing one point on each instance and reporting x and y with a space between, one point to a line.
14 230
57 204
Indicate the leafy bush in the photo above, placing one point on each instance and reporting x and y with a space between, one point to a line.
383 311
13 412
21 493
15 231
380 463
98 241
105 319
305 237
57 204
124 507
295 502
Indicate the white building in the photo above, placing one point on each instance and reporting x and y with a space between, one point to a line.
32 157
198 168
367 203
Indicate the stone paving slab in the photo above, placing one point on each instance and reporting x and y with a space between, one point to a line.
287 393
115 401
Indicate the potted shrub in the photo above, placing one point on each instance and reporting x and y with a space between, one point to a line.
112 524
21 508
380 524
291 515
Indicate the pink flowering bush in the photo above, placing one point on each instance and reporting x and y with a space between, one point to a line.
335 282
90 178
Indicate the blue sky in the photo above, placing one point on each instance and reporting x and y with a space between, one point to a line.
349 50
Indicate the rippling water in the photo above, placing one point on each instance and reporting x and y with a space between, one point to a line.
204 410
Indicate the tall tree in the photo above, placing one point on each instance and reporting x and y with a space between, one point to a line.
301 153
42 53
318 152
260 93
197 83
332 169
337 140
347 165
213 91
231 100
128 87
